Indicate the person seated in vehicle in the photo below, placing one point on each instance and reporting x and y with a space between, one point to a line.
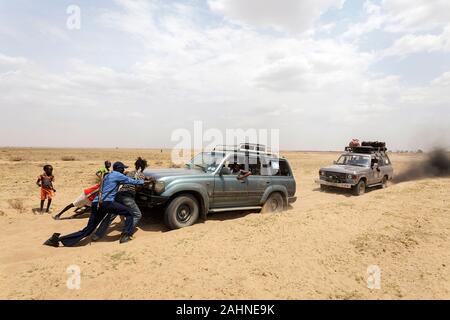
237 169
374 164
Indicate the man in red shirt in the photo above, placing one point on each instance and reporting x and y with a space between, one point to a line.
85 199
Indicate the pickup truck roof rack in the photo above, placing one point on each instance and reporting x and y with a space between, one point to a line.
366 149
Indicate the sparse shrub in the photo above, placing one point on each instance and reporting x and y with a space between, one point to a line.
17 204
16 159
68 158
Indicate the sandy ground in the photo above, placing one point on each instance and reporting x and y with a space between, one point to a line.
319 249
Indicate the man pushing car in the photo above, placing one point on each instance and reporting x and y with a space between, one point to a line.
103 204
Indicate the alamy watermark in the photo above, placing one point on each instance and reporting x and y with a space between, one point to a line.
200 139
73 21
373 277
74 280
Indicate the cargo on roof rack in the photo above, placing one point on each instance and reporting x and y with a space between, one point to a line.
367 147
374 144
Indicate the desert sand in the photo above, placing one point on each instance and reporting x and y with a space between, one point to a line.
319 249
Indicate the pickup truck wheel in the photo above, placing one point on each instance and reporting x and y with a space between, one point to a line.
384 182
323 187
360 188
273 204
182 211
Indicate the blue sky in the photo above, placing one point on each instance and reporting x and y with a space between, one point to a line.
322 72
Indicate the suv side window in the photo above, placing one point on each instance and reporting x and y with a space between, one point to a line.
235 162
284 168
269 166
375 159
275 167
254 165
384 161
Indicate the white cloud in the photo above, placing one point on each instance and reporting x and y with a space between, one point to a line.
420 15
355 31
184 69
371 8
436 93
422 27
311 65
411 43
442 81
51 31
291 15
11 61
402 16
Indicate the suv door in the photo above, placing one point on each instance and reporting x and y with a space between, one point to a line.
375 170
228 190
385 166
257 183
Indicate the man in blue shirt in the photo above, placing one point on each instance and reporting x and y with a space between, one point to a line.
104 203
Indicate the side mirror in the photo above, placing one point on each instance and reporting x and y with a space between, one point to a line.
334 162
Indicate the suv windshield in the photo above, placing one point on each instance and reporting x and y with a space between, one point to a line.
354 160
207 161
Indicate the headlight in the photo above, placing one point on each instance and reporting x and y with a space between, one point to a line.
351 176
159 186
321 173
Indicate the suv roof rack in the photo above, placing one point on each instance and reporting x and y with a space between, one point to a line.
245 147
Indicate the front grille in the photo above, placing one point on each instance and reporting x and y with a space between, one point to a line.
337 177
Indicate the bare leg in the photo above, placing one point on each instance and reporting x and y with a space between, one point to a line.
63 210
49 202
42 205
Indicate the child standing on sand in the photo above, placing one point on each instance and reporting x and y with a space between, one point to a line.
45 181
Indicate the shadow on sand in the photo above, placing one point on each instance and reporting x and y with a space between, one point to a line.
153 221
38 211
343 192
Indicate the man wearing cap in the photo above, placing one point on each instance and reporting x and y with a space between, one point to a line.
126 196
104 203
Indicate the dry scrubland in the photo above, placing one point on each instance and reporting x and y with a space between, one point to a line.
319 249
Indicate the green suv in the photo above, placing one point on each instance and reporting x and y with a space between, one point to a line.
243 177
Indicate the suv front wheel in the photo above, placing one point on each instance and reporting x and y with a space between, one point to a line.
274 203
360 188
182 211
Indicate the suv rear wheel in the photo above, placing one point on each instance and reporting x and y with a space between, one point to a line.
360 188
182 211
274 203
384 182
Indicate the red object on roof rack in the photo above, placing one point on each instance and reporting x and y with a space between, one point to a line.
354 143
